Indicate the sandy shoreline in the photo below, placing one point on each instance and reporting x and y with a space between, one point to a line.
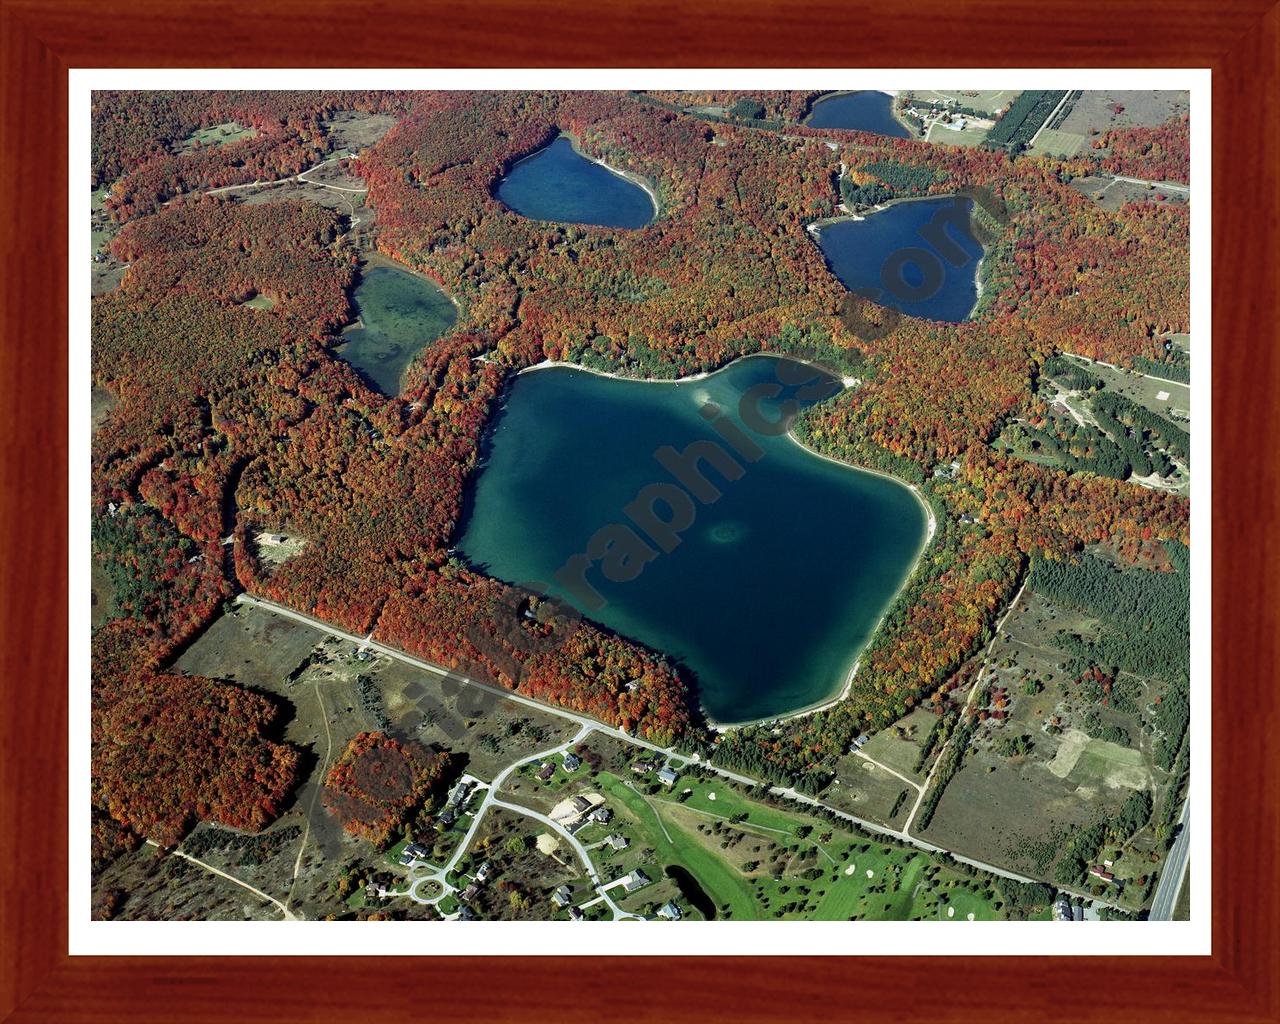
930 520
830 702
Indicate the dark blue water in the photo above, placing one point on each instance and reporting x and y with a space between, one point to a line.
558 184
919 257
864 111
769 592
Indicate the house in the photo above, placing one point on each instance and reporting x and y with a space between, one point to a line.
547 770
643 767
458 798
857 744
575 914
618 841
670 911
445 819
469 893
571 761
637 879
1062 909
667 775
483 871
466 914
1100 872
412 852
562 896
600 814
581 805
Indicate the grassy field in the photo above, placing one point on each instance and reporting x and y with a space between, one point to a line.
217 135
752 862
1057 143
1146 391
970 136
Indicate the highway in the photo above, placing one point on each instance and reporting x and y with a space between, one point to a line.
1173 874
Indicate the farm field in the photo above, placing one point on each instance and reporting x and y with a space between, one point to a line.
1094 112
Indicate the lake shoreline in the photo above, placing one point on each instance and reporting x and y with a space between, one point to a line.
814 228
931 527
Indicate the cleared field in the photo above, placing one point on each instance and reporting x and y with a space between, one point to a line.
989 100
970 136
250 646
867 791
355 130
1111 194
1055 142
1167 398
1019 809
217 135
900 745
1096 111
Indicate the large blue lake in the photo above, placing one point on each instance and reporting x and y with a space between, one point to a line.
559 184
768 593
919 257
864 111
400 313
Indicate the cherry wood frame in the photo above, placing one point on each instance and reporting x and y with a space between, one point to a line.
41 39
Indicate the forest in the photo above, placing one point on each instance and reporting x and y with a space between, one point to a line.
230 419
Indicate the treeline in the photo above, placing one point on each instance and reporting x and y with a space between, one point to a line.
948 767
1082 848
1142 421
1175 366
1024 117
1145 615
1080 448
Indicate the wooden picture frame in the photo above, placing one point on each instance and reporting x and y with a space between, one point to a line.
43 39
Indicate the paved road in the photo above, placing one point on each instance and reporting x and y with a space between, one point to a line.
1173 876
1171 186
679 760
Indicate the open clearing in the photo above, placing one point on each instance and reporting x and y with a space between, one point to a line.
217 135
1094 113
354 130
1112 194
1018 810
1144 390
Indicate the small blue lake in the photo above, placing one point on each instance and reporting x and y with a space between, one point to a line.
861 111
399 314
919 257
559 184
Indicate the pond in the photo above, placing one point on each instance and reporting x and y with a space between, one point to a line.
399 313
863 111
692 891
777 565
559 184
917 256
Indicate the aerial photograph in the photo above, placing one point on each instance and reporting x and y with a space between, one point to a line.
653 506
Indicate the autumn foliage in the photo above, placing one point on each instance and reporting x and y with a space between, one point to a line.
230 419
378 783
